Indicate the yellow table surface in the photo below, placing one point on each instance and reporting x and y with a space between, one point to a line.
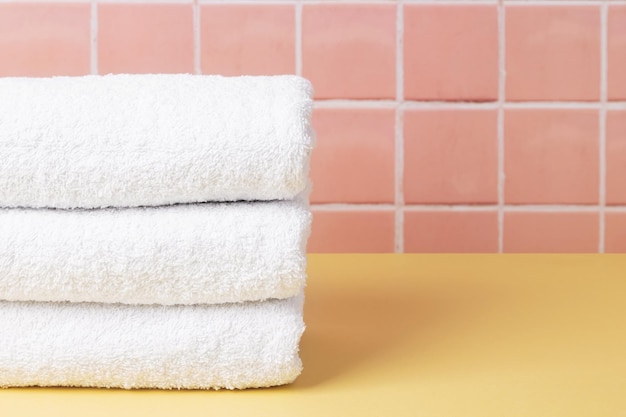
423 335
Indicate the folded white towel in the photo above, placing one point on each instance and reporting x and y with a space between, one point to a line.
138 140
113 345
181 254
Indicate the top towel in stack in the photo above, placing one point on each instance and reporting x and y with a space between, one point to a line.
149 140
119 143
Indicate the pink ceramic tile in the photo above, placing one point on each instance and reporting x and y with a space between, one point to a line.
349 50
352 231
451 52
239 39
145 38
552 52
450 231
615 233
450 156
551 156
616 157
617 52
353 161
551 232
44 39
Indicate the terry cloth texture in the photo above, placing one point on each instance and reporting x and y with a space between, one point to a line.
181 254
112 345
143 140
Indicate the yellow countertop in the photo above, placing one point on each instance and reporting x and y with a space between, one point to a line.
423 335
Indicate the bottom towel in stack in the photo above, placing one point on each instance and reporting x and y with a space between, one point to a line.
237 345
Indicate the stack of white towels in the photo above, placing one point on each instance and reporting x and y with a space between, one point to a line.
153 230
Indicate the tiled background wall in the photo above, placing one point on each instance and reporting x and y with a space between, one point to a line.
443 126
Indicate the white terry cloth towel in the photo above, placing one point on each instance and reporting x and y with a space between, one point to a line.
154 139
180 254
240 345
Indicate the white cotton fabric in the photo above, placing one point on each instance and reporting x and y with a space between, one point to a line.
181 254
145 140
112 345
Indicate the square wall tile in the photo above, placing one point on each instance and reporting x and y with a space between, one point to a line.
551 156
616 156
238 39
451 231
353 161
39 40
615 233
551 232
349 50
145 38
616 41
451 52
352 232
552 52
450 156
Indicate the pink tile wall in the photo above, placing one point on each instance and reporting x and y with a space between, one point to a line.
349 50
616 157
253 40
451 231
575 232
354 158
44 39
451 156
140 38
456 126
551 156
616 40
465 71
552 53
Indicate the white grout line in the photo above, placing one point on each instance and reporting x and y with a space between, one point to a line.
615 105
507 208
425 2
437 105
346 1
93 58
293 1
602 133
399 131
443 105
553 2
500 134
147 1
615 209
197 64
298 26
590 105
355 104
262 2
353 207
452 2
446 208
46 1
534 208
